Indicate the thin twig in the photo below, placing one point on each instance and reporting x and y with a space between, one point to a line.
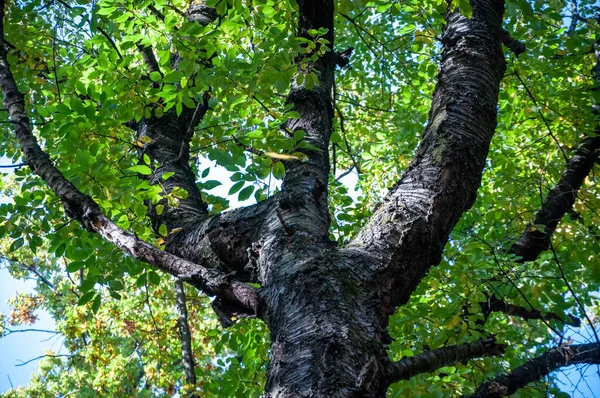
110 40
11 166
31 269
539 110
564 278
10 331
43 356
54 62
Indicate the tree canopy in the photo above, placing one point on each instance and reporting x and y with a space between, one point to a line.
465 262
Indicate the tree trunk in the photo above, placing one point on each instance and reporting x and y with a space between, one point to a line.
328 308
327 340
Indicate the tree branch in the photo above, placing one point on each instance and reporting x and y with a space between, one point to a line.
495 304
445 356
187 355
407 233
169 137
29 268
168 140
301 216
7 331
303 196
513 45
85 210
559 200
148 57
69 356
201 13
537 368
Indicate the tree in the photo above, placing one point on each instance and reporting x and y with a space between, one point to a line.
115 104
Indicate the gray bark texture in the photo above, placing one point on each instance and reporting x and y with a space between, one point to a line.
187 355
327 306
537 368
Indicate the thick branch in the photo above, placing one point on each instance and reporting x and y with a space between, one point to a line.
512 44
445 356
298 228
559 200
224 241
227 241
494 304
169 137
84 209
537 368
408 231
305 183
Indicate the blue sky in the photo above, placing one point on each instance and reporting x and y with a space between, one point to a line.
21 347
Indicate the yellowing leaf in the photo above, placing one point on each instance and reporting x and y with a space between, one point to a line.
282 156
454 321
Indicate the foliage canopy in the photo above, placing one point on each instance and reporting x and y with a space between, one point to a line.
81 66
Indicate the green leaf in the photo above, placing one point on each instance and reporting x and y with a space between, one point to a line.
154 278
155 76
86 298
116 285
141 169
173 77
96 304
163 230
141 280
406 29
179 193
465 8
278 170
246 193
17 243
75 266
236 187
211 184
166 175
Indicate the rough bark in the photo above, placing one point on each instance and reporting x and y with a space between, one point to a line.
445 356
537 368
327 308
324 331
406 235
187 355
